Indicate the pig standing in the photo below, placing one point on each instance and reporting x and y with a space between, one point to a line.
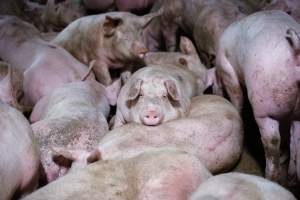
212 131
162 174
203 20
237 186
155 94
113 40
11 85
261 53
46 66
19 155
69 123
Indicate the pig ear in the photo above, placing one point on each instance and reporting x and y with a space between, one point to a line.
63 157
94 156
146 19
187 46
294 39
172 89
135 90
110 25
112 92
124 77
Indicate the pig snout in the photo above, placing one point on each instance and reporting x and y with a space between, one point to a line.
151 117
140 49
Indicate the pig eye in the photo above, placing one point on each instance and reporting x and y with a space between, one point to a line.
165 96
141 95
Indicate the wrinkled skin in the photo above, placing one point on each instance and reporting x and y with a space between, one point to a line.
45 66
120 5
291 7
113 40
69 124
19 155
187 59
237 186
161 174
155 94
212 131
250 51
11 85
203 20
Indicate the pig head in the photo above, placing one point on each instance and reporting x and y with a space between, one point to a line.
155 94
112 39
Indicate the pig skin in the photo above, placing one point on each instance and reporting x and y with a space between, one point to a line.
19 154
113 39
212 131
162 174
45 66
72 119
238 186
260 53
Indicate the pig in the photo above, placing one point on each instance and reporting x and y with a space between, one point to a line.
203 20
260 53
45 66
212 131
291 7
236 186
187 59
69 124
11 86
19 154
113 39
60 13
167 174
120 5
155 94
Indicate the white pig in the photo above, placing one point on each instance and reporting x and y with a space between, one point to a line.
69 124
238 186
163 174
19 155
212 131
261 53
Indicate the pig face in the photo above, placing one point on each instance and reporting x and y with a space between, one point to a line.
125 35
153 101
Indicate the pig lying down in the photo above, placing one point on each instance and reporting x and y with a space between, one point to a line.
19 155
113 40
212 131
46 66
162 174
261 53
69 124
238 186
155 94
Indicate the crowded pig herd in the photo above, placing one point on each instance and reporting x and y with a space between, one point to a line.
146 99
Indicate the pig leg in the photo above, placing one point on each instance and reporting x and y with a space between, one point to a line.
294 167
102 73
231 83
270 136
169 34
